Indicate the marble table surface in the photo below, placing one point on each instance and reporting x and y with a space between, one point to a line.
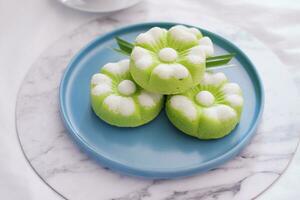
19 55
63 167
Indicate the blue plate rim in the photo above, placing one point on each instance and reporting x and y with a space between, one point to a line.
154 174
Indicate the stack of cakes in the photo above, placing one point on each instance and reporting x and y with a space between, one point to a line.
168 68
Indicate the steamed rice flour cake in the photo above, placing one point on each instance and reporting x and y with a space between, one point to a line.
210 110
117 100
170 61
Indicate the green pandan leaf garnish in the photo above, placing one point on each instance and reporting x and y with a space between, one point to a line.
126 47
170 61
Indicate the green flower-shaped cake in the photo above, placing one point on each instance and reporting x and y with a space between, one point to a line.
119 101
170 61
209 110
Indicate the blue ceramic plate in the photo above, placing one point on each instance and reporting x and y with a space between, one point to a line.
157 149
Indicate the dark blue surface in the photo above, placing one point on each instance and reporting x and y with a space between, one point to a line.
158 149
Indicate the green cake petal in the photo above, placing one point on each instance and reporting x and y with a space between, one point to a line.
117 100
209 110
170 61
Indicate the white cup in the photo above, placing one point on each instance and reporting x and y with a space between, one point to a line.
99 5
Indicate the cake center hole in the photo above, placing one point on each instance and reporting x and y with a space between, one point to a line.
205 98
127 87
167 54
